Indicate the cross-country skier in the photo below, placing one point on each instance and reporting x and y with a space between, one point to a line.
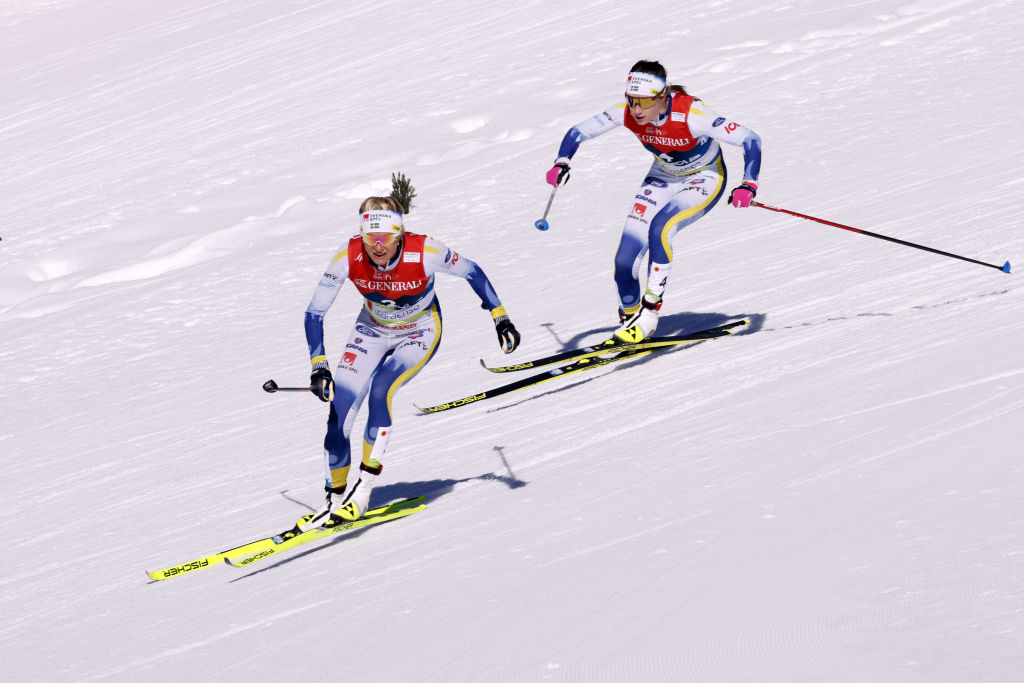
685 181
396 334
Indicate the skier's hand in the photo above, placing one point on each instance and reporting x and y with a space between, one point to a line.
559 173
508 335
321 383
744 194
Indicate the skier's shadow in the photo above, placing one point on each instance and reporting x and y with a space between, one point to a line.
431 491
676 323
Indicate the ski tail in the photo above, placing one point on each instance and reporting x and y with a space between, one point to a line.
385 514
613 344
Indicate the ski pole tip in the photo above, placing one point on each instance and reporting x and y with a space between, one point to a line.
1006 267
542 224
270 386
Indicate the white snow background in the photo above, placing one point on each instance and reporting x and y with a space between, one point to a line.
835 494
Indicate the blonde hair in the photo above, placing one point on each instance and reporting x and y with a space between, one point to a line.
379 204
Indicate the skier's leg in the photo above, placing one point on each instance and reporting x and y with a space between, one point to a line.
692 197
412 351
353 375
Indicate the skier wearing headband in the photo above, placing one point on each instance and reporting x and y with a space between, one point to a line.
685 181
396 333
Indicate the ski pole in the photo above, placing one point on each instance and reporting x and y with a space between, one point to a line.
270 386
542 224
1005 267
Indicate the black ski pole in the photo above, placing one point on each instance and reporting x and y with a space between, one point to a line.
270 386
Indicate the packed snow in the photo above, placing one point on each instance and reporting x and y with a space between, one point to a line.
832 494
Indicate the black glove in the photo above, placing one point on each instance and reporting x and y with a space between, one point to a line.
322 384
508 335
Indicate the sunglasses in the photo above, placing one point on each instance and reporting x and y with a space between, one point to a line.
385 239
644 102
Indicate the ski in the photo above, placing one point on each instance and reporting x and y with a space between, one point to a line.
262 544
293 538
613 344
532 380
588 361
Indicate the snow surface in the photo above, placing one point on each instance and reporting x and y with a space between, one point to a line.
833 495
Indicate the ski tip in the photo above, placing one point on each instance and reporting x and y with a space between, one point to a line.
1006 267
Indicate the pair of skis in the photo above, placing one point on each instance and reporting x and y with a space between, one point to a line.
244 555
579 360
586 358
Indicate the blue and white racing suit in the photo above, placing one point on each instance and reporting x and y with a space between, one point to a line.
686 179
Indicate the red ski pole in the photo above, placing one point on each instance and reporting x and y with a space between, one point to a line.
1005 267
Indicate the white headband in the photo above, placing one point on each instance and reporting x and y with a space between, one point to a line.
381 220
644 85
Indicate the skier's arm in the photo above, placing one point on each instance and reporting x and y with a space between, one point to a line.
704 122
323 297
607 120
437 258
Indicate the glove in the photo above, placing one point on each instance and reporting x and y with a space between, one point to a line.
321 383
744 194
508 335
559 173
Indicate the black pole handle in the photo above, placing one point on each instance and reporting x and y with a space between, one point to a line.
270 386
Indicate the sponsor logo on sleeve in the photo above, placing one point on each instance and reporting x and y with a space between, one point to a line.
719 121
